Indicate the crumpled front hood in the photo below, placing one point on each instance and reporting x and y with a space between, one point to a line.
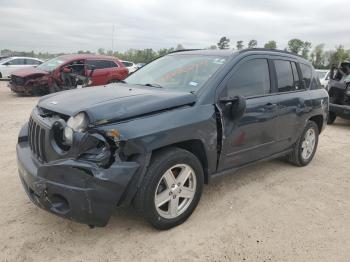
25 72
115 102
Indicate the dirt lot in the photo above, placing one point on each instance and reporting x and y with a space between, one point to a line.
268 212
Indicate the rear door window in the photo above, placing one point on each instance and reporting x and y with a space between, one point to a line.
252 78
32 62
101 64
285 77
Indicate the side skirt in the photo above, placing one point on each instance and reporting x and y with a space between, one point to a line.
274 156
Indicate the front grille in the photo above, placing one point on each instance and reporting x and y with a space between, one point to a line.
36 137
16 80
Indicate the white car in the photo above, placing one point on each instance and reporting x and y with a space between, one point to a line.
132 67
323 75
8 65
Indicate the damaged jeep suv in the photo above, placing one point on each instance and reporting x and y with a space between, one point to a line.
156 138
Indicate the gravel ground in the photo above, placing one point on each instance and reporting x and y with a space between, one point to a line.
268 212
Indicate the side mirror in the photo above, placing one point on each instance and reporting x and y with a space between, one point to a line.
236 106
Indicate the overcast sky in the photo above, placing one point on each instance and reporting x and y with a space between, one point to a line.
68 26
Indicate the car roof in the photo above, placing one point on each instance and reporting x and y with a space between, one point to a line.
213 52
87 56
230 52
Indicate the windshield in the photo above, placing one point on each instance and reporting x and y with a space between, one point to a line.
321 74
51 64
178 72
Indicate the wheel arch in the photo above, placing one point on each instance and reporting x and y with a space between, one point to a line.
318 119
196 147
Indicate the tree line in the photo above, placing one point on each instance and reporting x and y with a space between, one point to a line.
317 54
319 57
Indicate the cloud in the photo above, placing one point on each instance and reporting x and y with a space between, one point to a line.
68 26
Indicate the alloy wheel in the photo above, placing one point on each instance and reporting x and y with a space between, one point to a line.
175 191
308 144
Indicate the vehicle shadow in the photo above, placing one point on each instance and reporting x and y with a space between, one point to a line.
213 194
341 123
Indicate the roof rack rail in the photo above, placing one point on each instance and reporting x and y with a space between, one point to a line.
270 50
185 50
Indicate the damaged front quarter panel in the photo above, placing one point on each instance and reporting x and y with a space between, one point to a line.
93 147
138 138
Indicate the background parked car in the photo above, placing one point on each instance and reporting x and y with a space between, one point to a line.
67 72
139 65
323 75
3 57
339 92
132 67
11 64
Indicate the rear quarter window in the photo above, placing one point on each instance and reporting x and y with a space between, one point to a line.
315 83
32 62
306 72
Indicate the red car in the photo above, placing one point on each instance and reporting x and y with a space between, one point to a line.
68 72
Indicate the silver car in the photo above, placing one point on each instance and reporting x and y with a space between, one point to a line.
11 64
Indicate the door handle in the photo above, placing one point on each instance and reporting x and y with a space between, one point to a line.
270 106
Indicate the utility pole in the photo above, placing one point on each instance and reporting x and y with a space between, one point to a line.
113 38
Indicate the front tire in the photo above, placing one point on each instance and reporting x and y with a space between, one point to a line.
171 188
305 148
113 81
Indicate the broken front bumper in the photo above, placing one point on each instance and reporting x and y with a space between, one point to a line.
73 189
17 88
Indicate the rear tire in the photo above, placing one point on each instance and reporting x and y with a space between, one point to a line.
167 198
305 148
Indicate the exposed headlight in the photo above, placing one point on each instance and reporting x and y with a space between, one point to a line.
68 135
78 122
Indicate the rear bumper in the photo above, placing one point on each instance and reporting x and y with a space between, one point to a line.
73 189
340 110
